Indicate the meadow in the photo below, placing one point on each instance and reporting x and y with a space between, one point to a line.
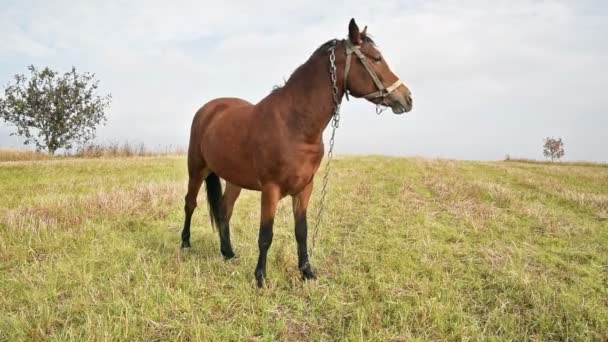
409 249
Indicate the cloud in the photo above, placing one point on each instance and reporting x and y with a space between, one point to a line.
488 78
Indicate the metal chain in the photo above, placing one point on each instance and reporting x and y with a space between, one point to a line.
380 107
334 124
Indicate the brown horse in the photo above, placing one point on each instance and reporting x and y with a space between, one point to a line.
276 146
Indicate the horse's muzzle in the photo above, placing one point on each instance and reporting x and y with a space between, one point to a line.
400 104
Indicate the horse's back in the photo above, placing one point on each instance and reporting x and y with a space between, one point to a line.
219 138
210 112
216 106
228 102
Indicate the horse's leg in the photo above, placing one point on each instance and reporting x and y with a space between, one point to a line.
231 193
196 176
300 204
271 194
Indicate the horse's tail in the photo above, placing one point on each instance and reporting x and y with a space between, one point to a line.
214 198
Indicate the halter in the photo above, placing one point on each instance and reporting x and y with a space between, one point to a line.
382 92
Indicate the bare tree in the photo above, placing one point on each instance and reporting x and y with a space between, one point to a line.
553 148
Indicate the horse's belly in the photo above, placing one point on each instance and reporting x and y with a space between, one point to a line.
242 182
233 167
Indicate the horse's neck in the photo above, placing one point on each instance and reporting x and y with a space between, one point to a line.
310 103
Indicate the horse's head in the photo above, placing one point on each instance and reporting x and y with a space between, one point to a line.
367 75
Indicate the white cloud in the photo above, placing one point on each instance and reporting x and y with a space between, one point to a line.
488 78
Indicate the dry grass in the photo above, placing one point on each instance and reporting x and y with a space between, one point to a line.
410 249
94 150
126 149
71 211
19 155
547 162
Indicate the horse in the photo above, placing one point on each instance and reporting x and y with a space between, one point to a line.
276 145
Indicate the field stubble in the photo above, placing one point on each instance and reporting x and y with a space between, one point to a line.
409 249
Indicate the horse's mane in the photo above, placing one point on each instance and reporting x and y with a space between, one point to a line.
323 48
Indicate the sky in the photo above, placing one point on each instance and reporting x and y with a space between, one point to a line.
489 78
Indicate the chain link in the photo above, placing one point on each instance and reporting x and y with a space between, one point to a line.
334 124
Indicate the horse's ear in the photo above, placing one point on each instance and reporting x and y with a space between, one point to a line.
364 32
353 32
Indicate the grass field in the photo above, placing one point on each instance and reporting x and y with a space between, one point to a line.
410 249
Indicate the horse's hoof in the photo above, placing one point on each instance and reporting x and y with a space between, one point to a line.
308 275
228 255
186 244
259 278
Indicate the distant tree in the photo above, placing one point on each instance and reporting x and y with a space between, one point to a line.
553 148
53 110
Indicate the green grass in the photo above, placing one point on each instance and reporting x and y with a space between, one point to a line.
409 249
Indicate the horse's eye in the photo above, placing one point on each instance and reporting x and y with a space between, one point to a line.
377 59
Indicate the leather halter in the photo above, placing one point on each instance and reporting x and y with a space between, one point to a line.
382 91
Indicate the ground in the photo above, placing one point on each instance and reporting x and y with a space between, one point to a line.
409 249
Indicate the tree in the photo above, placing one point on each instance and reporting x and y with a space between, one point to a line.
553 148
53 110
